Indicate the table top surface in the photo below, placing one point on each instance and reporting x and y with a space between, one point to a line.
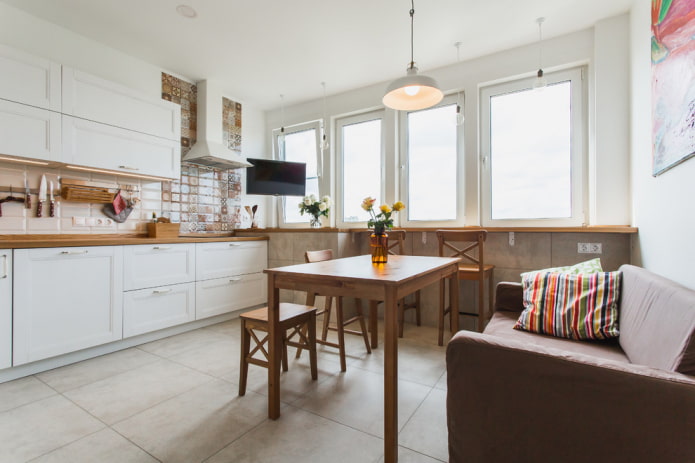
360 268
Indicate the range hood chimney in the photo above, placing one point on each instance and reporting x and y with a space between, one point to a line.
208 149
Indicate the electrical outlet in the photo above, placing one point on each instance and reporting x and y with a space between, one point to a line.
511 238
78 221
589 248
90 221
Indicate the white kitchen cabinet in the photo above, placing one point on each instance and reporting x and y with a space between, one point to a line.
29 132
29 80
152 309
216 260
222 295
66 299
5 308
90 97
92 144
147 266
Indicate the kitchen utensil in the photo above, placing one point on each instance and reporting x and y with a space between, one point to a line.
42 196
118 203
27 194
52 204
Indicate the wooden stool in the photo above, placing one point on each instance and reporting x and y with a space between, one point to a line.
292 316
341 323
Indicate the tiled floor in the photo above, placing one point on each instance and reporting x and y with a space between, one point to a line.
175 400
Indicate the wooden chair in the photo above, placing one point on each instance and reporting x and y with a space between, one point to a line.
471 268
301 319
341 323
396 247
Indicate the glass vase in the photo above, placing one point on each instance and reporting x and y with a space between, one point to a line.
379 244
315 222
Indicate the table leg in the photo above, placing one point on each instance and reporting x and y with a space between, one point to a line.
274 349
454 300
390 376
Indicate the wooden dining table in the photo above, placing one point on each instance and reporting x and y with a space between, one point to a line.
358 277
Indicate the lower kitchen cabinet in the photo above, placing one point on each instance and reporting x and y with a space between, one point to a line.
222 295
5 308
152 309
66 299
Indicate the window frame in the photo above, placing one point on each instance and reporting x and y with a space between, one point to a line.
578 144
344 121
404 168
323 190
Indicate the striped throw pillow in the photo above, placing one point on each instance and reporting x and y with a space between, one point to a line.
583 306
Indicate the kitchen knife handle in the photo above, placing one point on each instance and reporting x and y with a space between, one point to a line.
39 209
52 209
27 201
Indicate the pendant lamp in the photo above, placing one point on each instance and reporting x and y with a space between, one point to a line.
413 91
540 81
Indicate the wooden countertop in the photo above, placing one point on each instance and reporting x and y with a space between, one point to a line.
59 241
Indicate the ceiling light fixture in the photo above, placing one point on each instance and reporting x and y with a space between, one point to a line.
540 80
324 142
414 91
281 135
186 11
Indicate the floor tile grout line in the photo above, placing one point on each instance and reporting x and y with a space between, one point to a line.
66 444
134 443
234 440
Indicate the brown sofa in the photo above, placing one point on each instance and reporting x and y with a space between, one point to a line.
515 396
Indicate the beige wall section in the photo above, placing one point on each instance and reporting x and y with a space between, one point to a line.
530 251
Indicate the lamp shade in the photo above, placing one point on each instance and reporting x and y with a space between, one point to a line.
412 92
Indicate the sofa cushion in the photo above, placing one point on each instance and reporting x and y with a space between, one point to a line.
583 306
589 266
657 321
502 324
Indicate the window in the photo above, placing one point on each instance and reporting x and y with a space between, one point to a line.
432 141
301 144
532 145
360 148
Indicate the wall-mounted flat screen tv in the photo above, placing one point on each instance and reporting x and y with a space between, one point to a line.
267 177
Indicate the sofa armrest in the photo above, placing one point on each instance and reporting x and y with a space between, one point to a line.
509 297
509 401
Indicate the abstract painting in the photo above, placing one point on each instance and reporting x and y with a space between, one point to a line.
673 82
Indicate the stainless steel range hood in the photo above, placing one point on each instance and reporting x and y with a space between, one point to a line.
208 149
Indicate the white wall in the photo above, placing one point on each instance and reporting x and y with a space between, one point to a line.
608 142
663 205
36 36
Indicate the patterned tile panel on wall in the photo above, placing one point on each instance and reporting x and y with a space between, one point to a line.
204 199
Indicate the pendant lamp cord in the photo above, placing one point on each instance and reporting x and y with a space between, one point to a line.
412 40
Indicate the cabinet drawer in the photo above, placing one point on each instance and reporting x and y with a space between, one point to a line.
147 266
222 295
90 97
66 299
5 308
152 309
29 132
28 79
91 144
217 260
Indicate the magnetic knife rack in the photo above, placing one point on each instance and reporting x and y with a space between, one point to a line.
78 191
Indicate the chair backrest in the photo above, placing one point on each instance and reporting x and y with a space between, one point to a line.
396 240
318 256
472 241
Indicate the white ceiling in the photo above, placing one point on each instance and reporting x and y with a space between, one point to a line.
260 49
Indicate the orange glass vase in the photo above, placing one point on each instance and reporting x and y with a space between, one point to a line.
379 244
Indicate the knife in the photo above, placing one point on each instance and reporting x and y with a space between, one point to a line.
42 195
52 204
27 193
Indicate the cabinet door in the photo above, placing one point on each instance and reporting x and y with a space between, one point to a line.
28 79
89 97
152 309
147 266
5 308
92 144
66 299
222 295
29 132
217 260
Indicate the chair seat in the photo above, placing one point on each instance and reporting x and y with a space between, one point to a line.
288 311
471 269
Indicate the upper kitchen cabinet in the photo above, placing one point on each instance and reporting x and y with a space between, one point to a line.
29 80
89 97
